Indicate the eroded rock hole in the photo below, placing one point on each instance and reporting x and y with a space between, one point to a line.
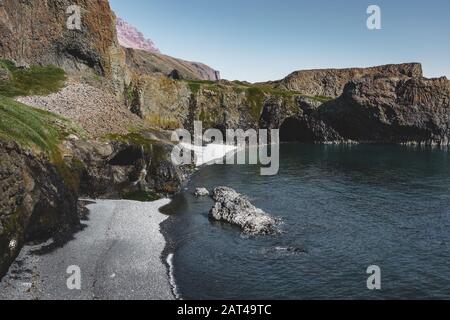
295 130
127 157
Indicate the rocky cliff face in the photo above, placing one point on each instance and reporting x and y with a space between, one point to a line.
173 104
374 109
35 203
392 110
331 82
35 32
130 37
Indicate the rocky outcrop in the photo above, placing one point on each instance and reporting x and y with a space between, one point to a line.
391 110
124 165
36 201
236 209
201 192
130 37
172 104
146 63
331 82
374 109
35 32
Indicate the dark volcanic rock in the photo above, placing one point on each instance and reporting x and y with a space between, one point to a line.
236 209
36 202
121 166
391 110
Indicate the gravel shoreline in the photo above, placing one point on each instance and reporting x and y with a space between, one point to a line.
118 253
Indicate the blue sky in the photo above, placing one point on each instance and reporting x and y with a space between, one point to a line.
259 40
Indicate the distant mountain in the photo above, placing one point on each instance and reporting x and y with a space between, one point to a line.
143 62
130 37
145 58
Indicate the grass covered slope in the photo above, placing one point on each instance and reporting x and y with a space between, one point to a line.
31 81
30 127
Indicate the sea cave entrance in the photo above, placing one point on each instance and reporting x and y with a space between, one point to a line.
295 130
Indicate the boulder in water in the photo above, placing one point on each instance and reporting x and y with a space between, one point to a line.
201 192
236 209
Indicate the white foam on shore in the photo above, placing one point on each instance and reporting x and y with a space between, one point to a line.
172 281
210 153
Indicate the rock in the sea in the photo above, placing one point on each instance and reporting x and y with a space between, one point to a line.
201 192
236 209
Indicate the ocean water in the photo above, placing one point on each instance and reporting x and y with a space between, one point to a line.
344 208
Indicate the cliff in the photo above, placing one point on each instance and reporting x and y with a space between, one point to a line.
89 142
35 33
331 82
392 110
373 109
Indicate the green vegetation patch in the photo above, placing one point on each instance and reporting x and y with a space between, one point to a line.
31 81
133 138
31 127
255 99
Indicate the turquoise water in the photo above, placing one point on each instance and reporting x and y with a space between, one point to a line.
344 208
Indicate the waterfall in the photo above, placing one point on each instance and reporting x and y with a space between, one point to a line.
143 173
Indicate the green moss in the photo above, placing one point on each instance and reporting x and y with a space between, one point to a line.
133 138
70 174
255 99
32 127
196 85
255 95
31 81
